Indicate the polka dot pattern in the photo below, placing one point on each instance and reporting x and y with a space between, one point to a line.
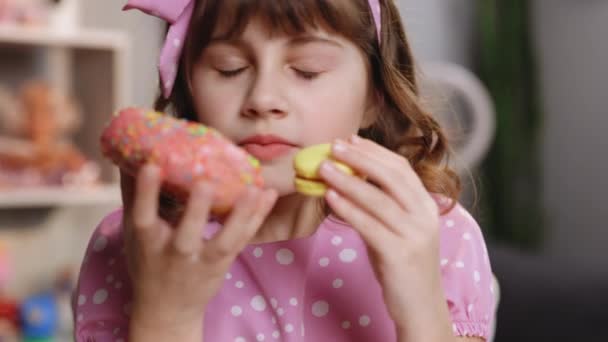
290 289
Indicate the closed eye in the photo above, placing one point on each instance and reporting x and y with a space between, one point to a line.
308 75
231 73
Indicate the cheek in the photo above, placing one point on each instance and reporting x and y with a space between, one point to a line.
336 112
212 103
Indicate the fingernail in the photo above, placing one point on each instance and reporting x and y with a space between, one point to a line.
339 146
327 166
331 194
355 139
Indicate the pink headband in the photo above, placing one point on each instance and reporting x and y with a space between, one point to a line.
178 13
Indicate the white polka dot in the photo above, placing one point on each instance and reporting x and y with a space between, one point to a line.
466 236
293 301
273 302
459 264
324 262
449 223
236 311
444 262
239 284
470 308
100 243
118 285
177 42
346 325
348 255
280 311
109 279
336 240
260 337
284 256
276 334
492 288
80 317
320 308
258 303
100 296
288 328
476 276
338 283
82 299
258 252
364 320
454 328
116 330
240 339
228 275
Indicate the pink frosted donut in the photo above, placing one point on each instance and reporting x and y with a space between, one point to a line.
185 152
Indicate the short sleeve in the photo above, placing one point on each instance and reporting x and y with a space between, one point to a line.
467 276
101 300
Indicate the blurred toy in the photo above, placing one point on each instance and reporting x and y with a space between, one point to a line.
24 12
64 287
9 309
39 317
35 148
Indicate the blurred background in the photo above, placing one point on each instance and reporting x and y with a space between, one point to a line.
518 85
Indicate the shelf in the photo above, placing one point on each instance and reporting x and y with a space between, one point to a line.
53 196
80 38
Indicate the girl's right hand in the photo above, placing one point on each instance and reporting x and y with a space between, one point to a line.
174 271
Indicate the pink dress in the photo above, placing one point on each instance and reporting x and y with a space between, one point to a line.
317 288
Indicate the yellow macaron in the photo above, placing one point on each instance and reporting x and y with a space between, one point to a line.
307 163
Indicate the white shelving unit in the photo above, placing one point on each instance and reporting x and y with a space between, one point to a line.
46 229
92 66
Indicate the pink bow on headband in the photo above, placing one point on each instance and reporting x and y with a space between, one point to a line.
178 14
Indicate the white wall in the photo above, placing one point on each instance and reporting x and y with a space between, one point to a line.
146 35
440 30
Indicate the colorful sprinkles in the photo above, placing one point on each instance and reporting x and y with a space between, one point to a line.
185 151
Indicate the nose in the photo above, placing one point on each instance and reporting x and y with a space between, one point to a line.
265 97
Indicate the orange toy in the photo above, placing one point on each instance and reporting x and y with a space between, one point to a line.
34 140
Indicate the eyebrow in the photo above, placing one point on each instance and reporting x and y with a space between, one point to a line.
307 39
295 41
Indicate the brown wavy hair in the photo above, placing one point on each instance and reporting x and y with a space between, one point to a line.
402 124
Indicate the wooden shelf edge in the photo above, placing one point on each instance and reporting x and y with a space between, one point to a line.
77 38
59 197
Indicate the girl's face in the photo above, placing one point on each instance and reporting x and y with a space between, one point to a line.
274 94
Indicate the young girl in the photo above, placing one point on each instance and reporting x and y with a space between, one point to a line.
390 258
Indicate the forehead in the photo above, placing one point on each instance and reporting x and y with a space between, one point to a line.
281 17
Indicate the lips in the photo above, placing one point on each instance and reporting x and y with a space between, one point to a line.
267 147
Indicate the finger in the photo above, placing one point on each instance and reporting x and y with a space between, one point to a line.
365 196
145 204
399 164
400 184
241 225
188 238
367 226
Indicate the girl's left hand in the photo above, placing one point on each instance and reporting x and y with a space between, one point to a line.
399 221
